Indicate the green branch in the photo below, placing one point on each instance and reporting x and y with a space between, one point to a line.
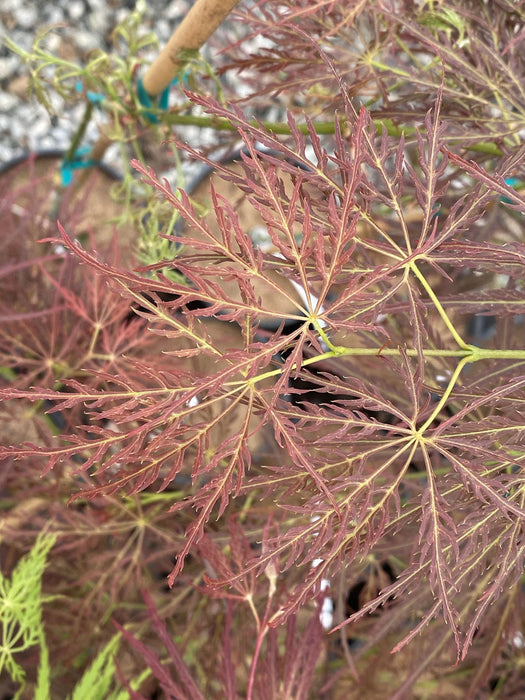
223 124
320 128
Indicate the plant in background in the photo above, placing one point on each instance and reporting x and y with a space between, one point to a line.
22 628
360 433
21 607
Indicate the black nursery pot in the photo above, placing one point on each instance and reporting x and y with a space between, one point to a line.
31 203
50 155
30 188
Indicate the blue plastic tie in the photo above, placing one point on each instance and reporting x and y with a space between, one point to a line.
68 167
160 103
156 104
96 98
516 184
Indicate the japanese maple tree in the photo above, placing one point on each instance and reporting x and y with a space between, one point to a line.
322 406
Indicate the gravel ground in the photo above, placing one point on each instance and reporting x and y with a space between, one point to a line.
79 26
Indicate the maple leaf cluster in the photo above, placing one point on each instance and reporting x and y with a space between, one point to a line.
336 410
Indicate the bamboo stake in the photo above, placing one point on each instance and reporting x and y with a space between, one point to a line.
199 24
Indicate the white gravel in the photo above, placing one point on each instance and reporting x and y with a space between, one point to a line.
78 27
